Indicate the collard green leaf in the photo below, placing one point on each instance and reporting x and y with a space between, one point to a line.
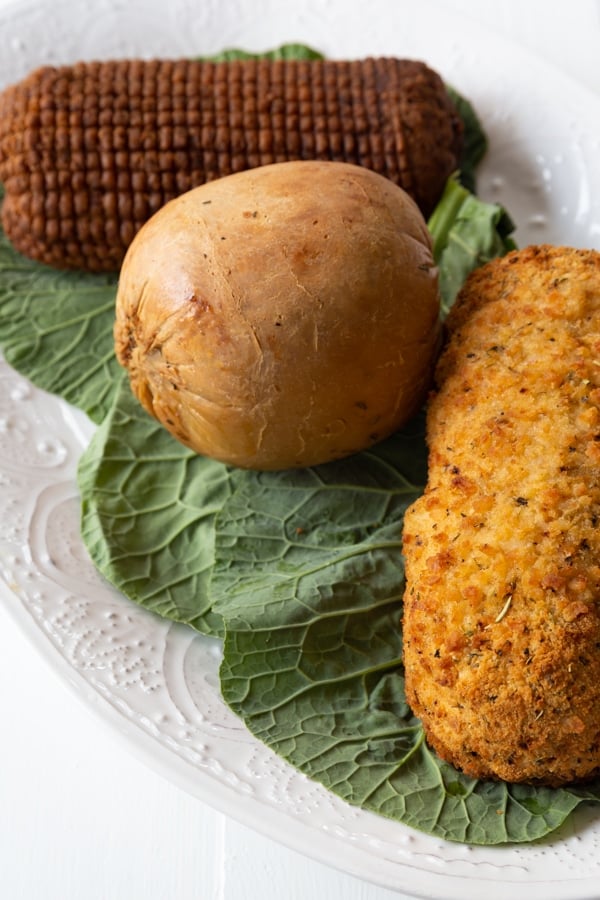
285 51
148 508
334 527
466 232
309 579
56 329
475 141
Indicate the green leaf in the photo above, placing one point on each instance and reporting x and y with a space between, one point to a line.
148 509
286 51
56 329
475 139
332 527
466 232
309 579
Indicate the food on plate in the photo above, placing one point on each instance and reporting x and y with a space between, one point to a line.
502 619
283 316
300 569
89 152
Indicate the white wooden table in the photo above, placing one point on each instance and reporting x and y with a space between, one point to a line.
80 817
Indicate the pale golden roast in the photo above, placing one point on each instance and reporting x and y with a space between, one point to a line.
283 316
501 622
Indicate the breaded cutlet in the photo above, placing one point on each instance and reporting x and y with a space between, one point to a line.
502 603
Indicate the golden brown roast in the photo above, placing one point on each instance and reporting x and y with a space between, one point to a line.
283 316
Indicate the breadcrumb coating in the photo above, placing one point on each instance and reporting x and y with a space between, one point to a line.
501 620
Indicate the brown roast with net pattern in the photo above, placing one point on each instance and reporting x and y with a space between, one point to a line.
89 152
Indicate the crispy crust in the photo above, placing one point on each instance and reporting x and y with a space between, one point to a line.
501 622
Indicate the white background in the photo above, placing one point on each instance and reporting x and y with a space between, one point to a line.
80 817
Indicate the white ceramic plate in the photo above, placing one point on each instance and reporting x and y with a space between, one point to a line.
156 682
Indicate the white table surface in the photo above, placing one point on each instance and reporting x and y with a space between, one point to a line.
81 818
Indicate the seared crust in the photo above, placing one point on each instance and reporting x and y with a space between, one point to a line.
501 621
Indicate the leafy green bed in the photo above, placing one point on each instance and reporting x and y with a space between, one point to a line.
300 572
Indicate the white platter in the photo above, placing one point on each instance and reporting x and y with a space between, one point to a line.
156 683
